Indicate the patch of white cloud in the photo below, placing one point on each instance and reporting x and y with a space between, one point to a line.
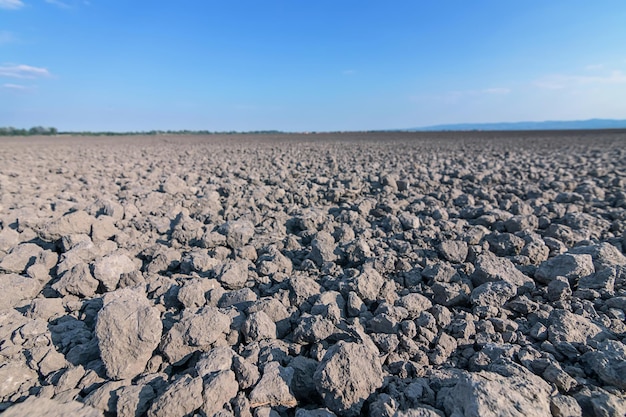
562 81
23 71
453 97
497 90
594 67
17 87
11 4
58 3
6 37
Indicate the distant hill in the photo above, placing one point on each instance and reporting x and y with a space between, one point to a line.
548 125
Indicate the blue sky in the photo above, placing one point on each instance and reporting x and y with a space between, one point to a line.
299 65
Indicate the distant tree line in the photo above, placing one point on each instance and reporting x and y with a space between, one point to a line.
36 130
40 130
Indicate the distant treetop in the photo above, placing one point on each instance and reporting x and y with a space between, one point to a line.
40 130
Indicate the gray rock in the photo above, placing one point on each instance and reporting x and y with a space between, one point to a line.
233 274
105 396
303 289
274 388
313 329
347 375
218 390
318 412
15 377
20 258
181 398
569 327
108 269
490 268
423 411
323 248
564 406
34 406
354 305
603 280
504 244
174 185
493 294
77 281
194 332
302 383
77 222
440 272
192 294
608 362
571 266
240 298
272 261
246 372
617 302
452 293
8 239
133 400
46 309
605 404
444 346
215 360
276 311
409 221
453 250
368 284
258 326
238 233
486 394
15 289
563 381
559 289
415 304
103 228
520 223
604 255
128 330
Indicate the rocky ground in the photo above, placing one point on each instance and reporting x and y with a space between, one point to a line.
475 274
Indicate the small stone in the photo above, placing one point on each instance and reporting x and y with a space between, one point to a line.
564 406
559 289
453 250
608 362
108 269
569 327
274 388
77 281
347 375
488 394
134 400
181 398
238 233
20 257
258 326
323 248
128 329
34 406
415 304
491 268
215 360
573 267
218 390
493 294
233 274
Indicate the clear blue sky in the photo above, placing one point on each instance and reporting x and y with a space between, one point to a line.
300 65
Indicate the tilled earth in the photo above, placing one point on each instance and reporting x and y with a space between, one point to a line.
426 274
